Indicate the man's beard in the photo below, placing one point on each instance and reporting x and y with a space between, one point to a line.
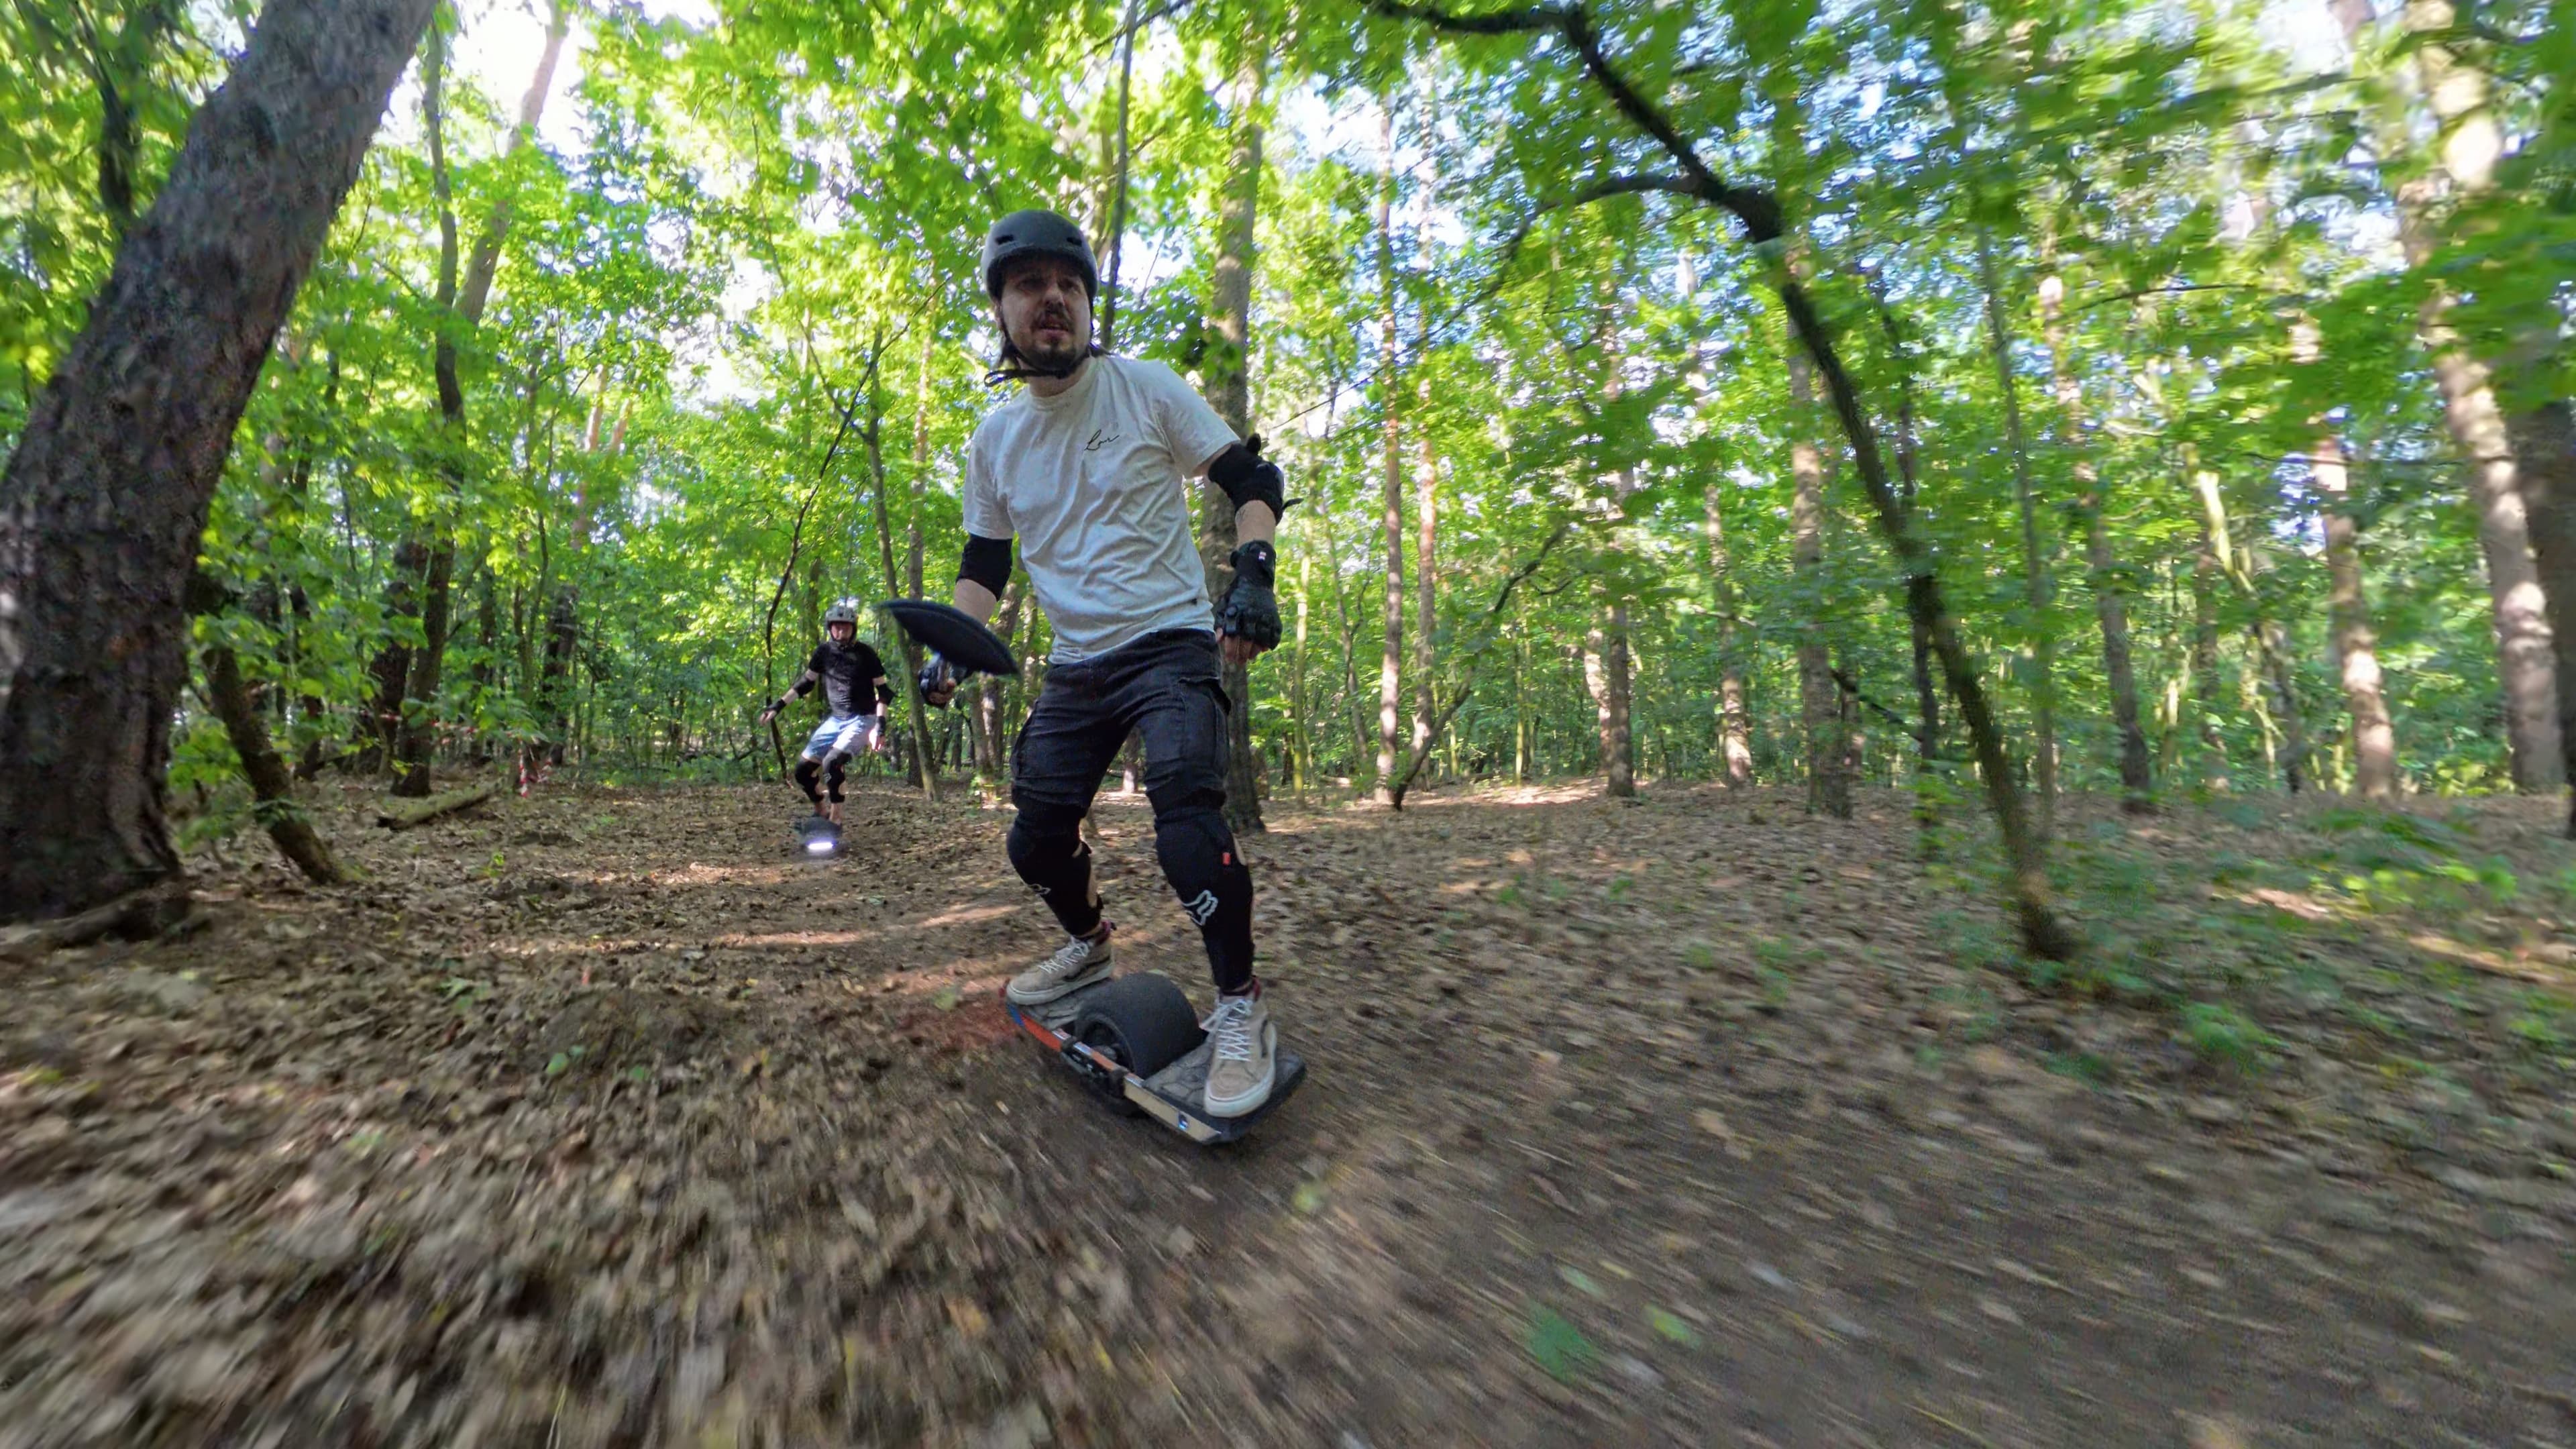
1058 354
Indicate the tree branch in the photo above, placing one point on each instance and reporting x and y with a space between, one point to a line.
1497 22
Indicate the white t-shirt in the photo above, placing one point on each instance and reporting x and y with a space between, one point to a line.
1095 482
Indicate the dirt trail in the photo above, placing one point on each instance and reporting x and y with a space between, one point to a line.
599 1121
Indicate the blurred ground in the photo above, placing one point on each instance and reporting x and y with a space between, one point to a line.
598 1120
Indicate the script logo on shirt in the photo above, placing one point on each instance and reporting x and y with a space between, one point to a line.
1098 442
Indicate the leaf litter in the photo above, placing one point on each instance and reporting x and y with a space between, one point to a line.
658 1136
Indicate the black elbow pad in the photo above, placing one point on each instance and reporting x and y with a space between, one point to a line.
1247 477
986 561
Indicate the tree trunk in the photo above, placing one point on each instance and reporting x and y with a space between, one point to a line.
2374 740
2038 590
2110 601
996 759
924 759
1819 701
1734 731
2539 425
2205 567
1228 370
1605 670
270 784
1301 741
104 502
1390 697
2524 663
463 308
920 460
2244 570
1426 536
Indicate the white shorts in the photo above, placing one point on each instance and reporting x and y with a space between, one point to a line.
847 733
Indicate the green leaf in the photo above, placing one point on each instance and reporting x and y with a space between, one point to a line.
1671 1328
1558 1345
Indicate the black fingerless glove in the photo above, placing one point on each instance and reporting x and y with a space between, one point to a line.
1251 609
937 674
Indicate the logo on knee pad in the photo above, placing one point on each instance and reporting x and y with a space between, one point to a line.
1201 906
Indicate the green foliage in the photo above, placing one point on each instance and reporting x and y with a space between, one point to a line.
728 235
2225 1036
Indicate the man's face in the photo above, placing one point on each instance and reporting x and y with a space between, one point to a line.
842 633
1045 312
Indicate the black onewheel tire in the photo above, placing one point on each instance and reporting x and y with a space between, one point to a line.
1142 1022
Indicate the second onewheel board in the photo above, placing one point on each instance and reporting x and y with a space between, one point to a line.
955 634
817 838
1135 1040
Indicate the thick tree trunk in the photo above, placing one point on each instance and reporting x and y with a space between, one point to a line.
2374 740
2545 442
1228 371
104 501
2538 426
1605 669
2524 662
2037 586
2110 600
1390 696
1819 699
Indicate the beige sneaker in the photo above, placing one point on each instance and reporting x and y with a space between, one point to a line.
1076 964
1244 1057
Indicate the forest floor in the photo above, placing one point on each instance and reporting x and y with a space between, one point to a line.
596 1119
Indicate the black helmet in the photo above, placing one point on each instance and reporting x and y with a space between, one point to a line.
843 612
1034 234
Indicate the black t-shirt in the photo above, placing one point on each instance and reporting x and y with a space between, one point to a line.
848 673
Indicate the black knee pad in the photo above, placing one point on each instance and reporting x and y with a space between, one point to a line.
1047 850
807 772
835 768
1197 851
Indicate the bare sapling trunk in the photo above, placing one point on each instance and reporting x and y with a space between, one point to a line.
104 502
1734 729
2110 598
463 304
2038 588
1390 695
2374 740
1819 700
924 758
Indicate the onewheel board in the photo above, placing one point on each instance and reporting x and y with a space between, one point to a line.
817 838
1107 1030
955 634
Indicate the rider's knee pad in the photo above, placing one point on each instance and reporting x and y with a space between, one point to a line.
1047 850
835 769
807 772
1207 873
